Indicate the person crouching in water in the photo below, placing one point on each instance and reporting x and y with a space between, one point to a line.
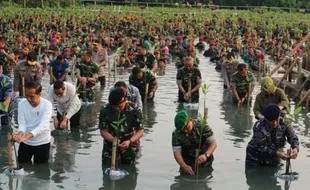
185 141
34 134
269 137
128 131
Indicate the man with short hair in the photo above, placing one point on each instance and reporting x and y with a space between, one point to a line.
131 92
269 137
242 84
119 119
34 135
139 79
189 74
68 104
145 59
58 69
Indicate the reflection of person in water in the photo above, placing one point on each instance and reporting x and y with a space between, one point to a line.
149 115
41 172
193 182
4 150
262 178
129 182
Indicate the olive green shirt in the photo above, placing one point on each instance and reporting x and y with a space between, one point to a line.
262 100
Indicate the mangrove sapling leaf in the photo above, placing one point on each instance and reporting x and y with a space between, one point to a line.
297 110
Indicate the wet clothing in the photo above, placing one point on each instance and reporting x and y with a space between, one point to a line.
242 83
188 143
39 153
183 76
132 122
59 69
88 70
147 77
147 60
266 141
31 73
262 100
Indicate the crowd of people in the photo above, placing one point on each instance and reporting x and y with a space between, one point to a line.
80 49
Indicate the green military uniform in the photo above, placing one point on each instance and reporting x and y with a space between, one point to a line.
29 72
88 70
147 77
132 122
242 83
188 143
147 60
183 76
262 100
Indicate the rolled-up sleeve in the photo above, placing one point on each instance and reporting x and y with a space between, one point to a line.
176 143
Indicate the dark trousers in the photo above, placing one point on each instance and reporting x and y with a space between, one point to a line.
40 153
102 80
74 120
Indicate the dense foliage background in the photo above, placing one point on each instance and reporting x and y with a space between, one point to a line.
269 3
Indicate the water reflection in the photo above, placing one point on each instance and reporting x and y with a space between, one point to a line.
199 182
262 178
39 177
238 118
149 115
129 182
5 149
192 112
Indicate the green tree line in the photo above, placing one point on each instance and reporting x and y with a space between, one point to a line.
269 3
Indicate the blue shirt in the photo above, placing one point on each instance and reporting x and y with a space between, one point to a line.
6 87
59 69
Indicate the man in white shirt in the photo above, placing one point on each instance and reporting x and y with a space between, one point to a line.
34 135
68 104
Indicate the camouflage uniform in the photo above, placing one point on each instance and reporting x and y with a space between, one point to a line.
133 122
183 76
262 100
6 86
147 60
87 70
147 77
242 83
265 142
6 64
31 73
188 143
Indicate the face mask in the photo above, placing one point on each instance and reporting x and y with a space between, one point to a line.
32 63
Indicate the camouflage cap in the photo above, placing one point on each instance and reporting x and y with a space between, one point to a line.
180 120
267 85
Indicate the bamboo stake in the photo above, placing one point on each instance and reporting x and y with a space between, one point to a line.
22 75
287 72
289 54
304 98
146 92
114 149
288 163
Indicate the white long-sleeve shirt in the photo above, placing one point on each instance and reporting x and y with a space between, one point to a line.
68 102
35 120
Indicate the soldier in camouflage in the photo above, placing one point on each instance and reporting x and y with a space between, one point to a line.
185 141
119 119
242 84
6 59
140 78
186 74
269 137
87 73
145 59
30 70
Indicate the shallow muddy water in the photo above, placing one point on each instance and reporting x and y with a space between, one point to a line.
76 163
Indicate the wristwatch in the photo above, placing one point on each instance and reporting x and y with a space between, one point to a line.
207 155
